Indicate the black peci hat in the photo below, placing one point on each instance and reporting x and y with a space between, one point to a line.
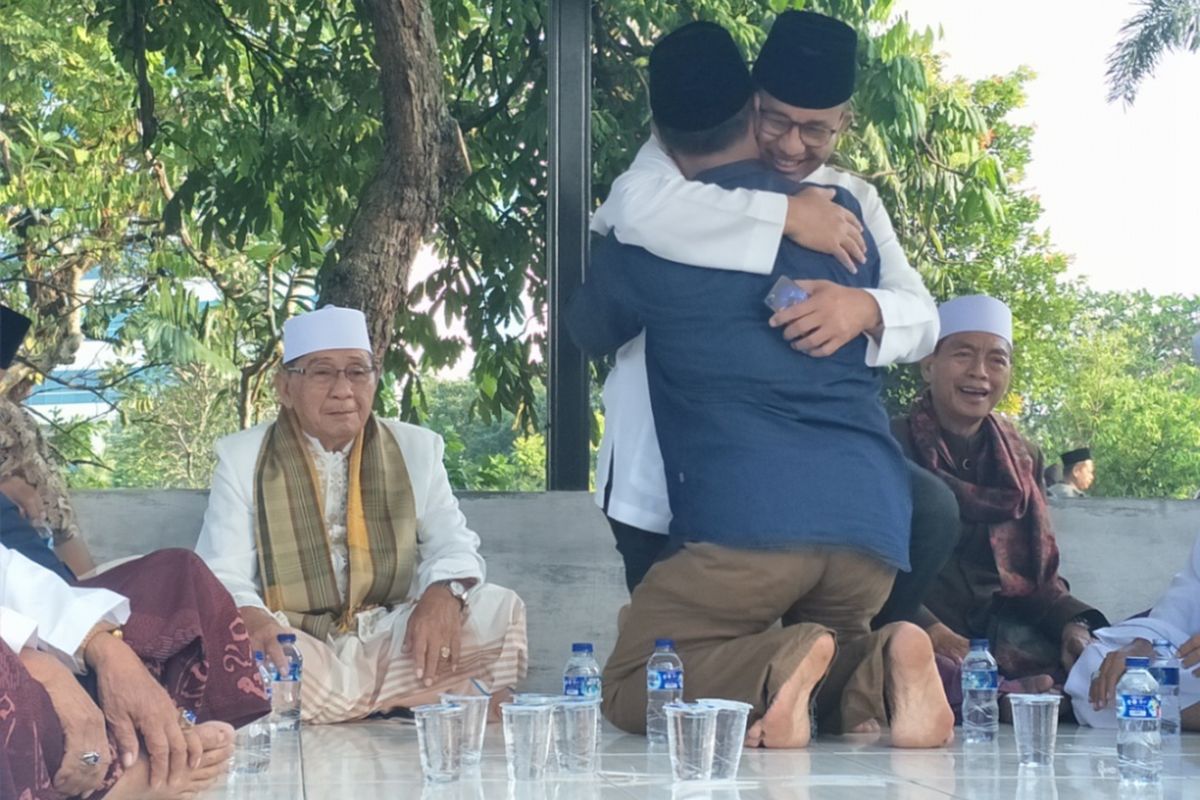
808 60
1073 457
698 78
13 327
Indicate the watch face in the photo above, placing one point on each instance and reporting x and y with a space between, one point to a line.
457 589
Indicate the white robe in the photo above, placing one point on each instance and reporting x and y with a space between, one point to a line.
1175 617
354 674
39 609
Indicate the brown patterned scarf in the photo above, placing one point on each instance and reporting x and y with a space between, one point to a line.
1008 500
294 557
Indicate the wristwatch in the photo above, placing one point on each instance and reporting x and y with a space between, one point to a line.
458 589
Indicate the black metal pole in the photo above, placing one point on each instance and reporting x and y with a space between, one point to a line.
570 101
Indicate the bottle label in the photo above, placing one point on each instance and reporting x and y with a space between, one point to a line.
1166 676
1138 706
980 679
664 679
292 674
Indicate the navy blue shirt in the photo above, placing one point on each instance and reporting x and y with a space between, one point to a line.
764 447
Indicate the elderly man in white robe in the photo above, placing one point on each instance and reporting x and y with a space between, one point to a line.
342 528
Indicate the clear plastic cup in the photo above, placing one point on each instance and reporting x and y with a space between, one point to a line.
730 736
440 739
1035 724
528 732
576 734
691 736
475 713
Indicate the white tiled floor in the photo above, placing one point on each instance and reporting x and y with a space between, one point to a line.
379 761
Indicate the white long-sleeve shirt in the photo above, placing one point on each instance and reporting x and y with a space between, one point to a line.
446 547
653 206
39 609
1175 617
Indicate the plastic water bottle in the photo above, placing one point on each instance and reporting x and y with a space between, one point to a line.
1164 667
664 684
980 683
1139 742
252 747
581 678
285 687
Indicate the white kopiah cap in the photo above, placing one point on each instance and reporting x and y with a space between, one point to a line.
328 328
976 313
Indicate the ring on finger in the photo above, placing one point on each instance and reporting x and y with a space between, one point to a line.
187 719
90 758
445 652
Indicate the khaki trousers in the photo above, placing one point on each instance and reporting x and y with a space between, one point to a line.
720 606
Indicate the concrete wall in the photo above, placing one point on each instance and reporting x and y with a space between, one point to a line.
555 549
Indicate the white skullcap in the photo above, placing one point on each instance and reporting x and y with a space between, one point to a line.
976 313
328 328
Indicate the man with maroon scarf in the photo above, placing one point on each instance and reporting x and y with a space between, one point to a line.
1002 581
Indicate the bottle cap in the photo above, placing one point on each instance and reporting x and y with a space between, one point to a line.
286 638
979 644
259 656
1133 662
661 643
581 647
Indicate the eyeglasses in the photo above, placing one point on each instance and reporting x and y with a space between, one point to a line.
813 134
325 376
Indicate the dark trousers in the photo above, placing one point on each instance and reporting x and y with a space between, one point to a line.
18 535
935 531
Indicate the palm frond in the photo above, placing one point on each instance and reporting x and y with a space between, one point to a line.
1159 26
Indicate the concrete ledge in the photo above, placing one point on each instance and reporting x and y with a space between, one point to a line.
556 551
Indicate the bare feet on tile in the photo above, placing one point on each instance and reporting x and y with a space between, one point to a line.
870 726
920 713
786 724
216 738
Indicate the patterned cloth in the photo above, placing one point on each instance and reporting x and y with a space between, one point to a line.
184 627
25 454
1007 498
299 577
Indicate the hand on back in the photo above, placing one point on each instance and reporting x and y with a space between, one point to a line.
815 221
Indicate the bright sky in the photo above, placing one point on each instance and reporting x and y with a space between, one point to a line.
1120 187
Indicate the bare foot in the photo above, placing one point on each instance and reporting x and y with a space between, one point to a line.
785 725
499 696
217 741
1033 684
870 726
920 713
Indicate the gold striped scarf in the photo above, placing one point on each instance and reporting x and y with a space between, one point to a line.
294 557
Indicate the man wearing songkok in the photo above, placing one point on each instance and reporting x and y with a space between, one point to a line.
767 453
1079 472
805 76
1002 582
33 498
125 685
341 527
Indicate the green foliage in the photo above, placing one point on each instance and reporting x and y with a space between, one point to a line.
202 158
1158 27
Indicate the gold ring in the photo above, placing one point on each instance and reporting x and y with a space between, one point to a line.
445 652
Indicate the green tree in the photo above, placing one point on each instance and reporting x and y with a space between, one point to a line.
1160 26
